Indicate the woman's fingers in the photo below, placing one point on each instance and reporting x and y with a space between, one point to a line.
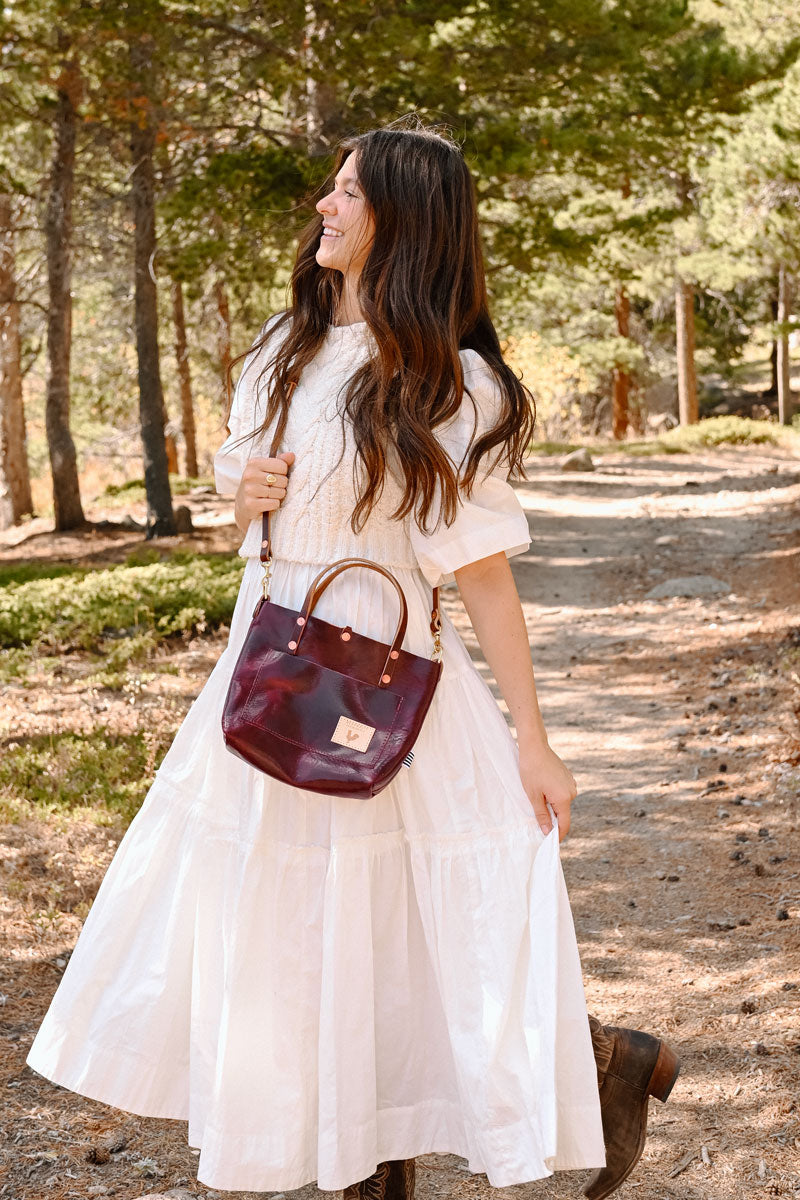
264 491
540 809
256 495
549 784
561 811
261 466
563 818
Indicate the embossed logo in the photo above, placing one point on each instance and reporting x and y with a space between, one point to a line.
352 733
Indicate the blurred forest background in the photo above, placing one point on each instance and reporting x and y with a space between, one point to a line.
638 179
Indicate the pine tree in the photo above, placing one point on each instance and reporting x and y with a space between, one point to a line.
15 484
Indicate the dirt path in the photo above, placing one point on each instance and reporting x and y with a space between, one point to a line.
679 718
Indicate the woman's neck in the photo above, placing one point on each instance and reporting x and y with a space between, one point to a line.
348 310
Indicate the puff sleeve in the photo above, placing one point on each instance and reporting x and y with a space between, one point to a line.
492 519
230 459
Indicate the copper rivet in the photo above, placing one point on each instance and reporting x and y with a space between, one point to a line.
345 637
394 654
292 645
301 620
263 543
386 678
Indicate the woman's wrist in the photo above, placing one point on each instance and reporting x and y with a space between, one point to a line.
242 521
532 736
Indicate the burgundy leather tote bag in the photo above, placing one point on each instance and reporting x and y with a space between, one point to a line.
321 706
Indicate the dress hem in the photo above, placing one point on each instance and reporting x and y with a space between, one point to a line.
437 1133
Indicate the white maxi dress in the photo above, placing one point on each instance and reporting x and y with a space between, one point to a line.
319 984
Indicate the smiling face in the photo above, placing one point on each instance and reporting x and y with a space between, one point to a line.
349 228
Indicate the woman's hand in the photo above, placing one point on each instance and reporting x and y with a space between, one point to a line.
254 495
546 778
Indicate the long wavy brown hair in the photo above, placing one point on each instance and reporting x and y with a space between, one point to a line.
422 292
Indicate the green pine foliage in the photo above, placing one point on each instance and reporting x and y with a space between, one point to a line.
613 146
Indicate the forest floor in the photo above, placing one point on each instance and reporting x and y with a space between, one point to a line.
679 719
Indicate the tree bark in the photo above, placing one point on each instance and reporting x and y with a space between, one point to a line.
621 380
636 414
160 516
184 380
773 353
324 118
171 447
223 337
58 237
621 384
688 411
15 480
785 404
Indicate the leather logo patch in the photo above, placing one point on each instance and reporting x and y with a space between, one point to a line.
352 733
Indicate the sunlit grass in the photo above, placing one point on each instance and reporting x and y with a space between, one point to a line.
100 773
686 439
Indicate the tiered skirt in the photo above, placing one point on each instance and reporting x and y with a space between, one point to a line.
319 984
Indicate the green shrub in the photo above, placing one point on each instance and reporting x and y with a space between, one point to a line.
122 489
143 556
102 771
133 489
653 448
116 658
718 431
14 664
185 594
548 448
133 649
25 572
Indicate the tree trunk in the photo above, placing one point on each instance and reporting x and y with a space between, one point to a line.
324 118
773 353
160 517
621 385
636 413
58 236
223 337
184 380
171 447
785 405
688 411
15 480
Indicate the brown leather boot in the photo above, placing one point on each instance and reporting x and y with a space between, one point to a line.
631 1067
393 1180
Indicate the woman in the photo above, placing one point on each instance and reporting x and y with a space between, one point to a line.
325 988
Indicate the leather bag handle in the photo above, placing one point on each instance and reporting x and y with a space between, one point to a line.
436 622
316 589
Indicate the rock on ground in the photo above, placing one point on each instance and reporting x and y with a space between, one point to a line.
689 585
578 460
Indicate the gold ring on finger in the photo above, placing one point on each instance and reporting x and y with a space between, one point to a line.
271 478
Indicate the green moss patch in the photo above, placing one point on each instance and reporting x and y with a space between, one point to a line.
104 772
182 595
